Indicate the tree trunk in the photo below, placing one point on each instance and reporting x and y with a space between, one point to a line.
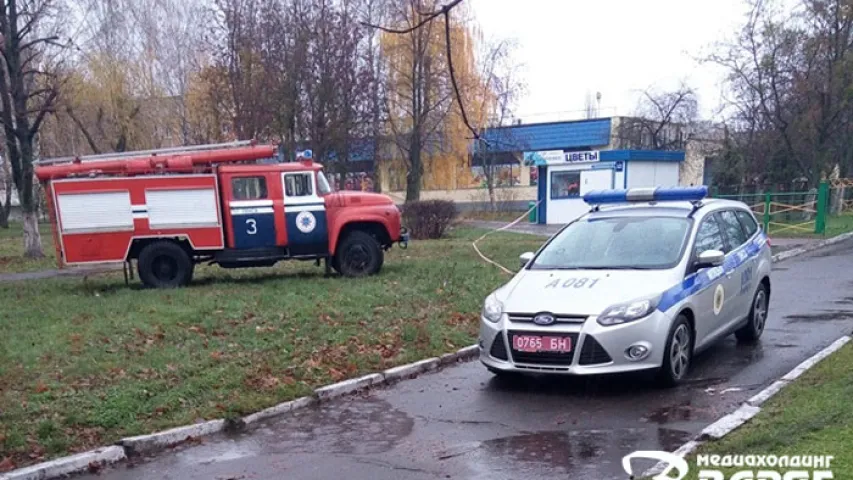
416 169
6 205
413 179
32 237
492 202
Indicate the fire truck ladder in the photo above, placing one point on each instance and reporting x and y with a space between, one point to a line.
143 153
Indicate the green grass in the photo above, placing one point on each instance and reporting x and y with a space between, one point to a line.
12 250
835 225
86 362
813 416
838 224
491 216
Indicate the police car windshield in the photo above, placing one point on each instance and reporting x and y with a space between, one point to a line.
617 243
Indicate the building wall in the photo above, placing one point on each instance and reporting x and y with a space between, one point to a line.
693 168
648 174
471 195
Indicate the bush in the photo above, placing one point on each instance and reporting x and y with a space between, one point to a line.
428 218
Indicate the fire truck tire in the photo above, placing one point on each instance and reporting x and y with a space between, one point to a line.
164 264
359 255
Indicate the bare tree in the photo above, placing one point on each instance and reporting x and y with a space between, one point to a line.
501 88
6 186
662 120
28 92
789 78
418 76
374 12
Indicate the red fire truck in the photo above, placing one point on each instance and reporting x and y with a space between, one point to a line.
226 204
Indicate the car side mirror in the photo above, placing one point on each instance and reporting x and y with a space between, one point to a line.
710 258
526 257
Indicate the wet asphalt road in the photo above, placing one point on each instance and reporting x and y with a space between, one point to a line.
463 423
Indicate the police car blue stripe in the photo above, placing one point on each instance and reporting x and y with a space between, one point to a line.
697 282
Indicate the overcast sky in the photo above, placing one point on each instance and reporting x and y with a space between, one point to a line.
616 47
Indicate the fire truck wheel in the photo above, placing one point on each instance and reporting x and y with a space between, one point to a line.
165 264
359 255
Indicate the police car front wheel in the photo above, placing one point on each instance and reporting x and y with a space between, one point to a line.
678 354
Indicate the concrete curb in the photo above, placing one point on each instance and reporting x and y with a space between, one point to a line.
729 423
279 409
407 371
146 443
348 386
749 409
143 444
810 248
91 460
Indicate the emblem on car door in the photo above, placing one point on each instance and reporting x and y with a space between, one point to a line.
544 319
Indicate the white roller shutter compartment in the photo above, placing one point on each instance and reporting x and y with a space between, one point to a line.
182 208
93 212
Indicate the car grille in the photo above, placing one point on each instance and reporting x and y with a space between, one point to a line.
593 353
499 348
528 318
544 358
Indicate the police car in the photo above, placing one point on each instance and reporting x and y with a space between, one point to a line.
643 281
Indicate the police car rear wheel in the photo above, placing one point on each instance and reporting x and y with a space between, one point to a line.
757 317
164 264
678 354
359 255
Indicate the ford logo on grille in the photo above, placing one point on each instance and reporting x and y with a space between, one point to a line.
544 319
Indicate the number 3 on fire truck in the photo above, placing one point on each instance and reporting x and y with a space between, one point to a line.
251 226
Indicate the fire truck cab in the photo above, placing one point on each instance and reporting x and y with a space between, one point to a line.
173 208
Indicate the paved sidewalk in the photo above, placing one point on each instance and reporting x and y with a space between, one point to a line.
66 272
777 244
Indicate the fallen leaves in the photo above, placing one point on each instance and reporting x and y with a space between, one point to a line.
41 387
7 464
95 467
266 380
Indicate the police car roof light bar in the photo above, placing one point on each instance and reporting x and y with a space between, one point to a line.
654 194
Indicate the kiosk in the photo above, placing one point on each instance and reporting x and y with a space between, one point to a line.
565 176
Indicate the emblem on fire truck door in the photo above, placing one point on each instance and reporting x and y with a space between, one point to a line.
306 222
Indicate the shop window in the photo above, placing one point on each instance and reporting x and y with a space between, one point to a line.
565 185
249 188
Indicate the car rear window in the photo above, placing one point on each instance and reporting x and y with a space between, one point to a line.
617 243
748 222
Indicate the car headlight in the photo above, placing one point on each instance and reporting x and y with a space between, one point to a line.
628 312
493 309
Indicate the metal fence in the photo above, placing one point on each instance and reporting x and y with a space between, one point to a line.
798 212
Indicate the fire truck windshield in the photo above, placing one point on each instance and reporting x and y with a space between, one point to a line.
323 186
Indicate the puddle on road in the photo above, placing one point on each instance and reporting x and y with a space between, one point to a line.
363 426
825 316
674 413
568 452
